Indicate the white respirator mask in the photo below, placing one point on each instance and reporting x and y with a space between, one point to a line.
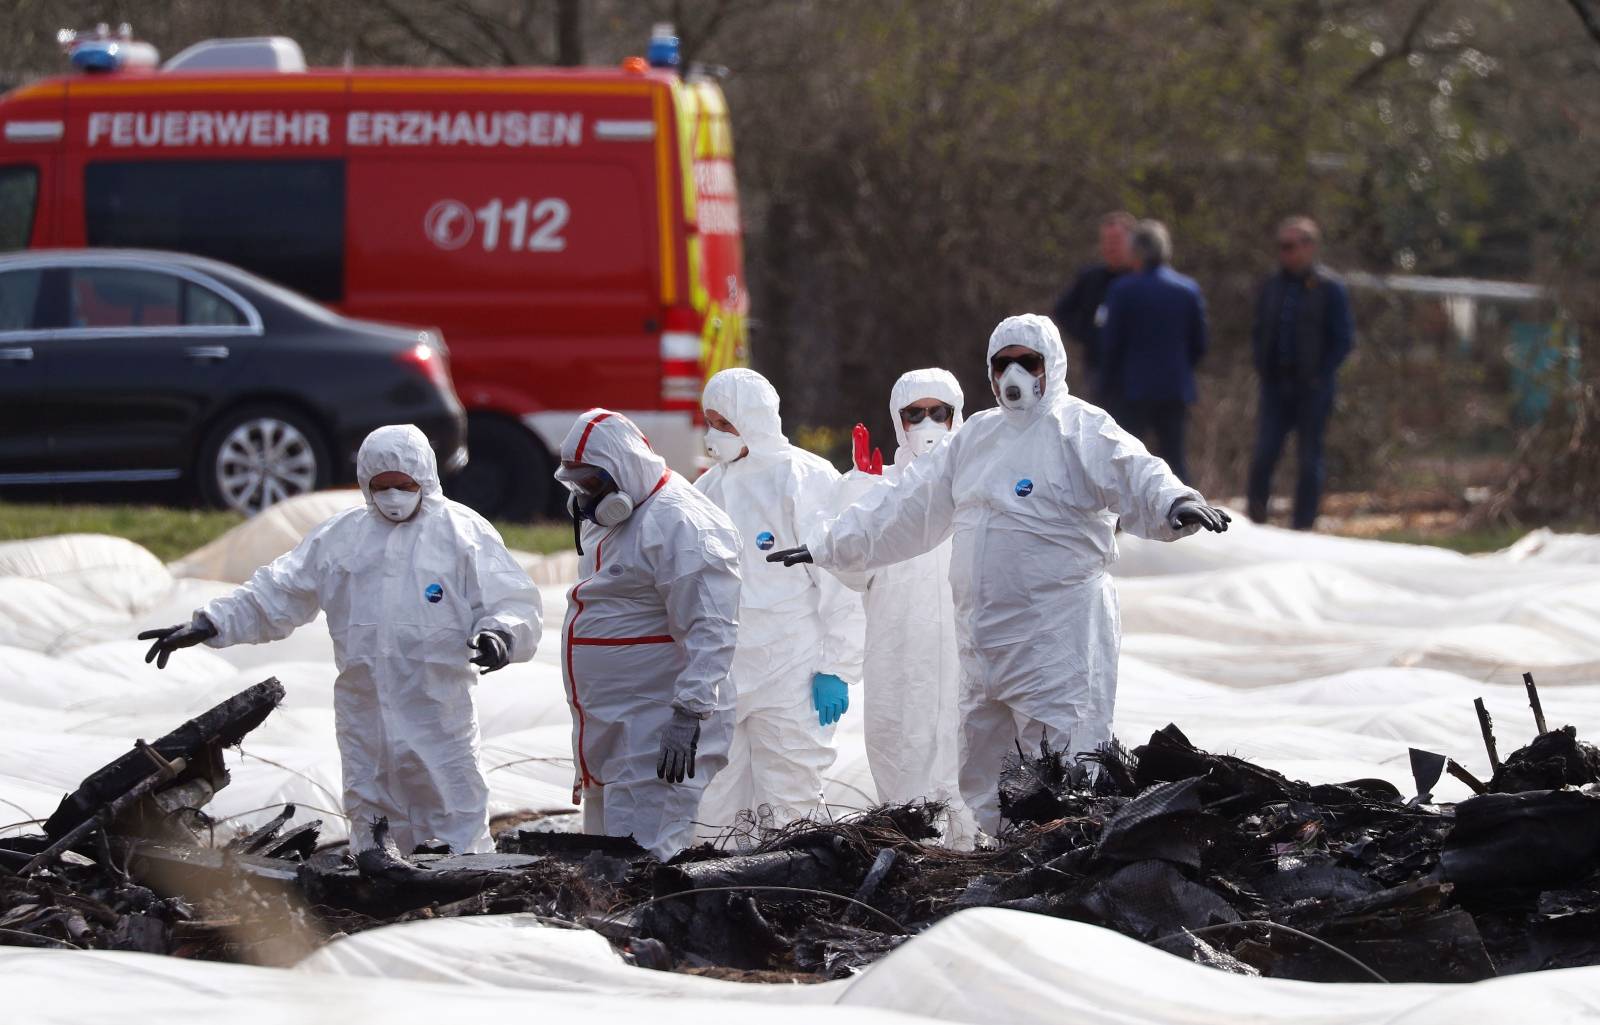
922 437
396 505
1017 389
722 446
612 509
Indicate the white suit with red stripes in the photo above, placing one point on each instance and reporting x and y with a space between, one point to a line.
791 625
651 626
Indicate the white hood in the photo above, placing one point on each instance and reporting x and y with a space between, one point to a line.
1038 333
750 403
932 383
404 448
615 444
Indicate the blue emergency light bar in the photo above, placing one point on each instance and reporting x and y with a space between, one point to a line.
663 51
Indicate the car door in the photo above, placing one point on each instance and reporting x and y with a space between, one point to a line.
143 358
24 413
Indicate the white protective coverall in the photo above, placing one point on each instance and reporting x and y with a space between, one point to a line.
912 672
404 601
1031 499
651 627
791 625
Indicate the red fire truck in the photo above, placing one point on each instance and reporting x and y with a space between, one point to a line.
574 233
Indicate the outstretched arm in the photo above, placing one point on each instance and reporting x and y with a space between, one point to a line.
1131 482
278 597
896 521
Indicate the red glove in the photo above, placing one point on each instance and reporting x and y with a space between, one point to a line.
868 459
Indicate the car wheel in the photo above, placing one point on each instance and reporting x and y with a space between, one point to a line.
257 456
507 476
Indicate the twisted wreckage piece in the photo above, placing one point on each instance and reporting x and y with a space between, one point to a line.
1207 856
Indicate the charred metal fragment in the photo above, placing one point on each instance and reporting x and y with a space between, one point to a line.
224 725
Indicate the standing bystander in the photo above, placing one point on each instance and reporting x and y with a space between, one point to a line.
1154 335
1077 312
1303 332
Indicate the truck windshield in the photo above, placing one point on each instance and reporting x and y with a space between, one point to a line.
19 193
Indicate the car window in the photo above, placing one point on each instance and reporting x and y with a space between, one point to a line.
121 297
205 308
19 295
19 193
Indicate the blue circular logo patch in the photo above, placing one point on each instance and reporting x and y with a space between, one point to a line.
1024 488
434 593
765 540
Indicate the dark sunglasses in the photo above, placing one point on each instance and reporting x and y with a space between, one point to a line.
941 414
1287 245
1032 362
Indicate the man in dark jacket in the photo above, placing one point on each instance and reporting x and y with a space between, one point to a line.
1077 311
1153 336
1303 332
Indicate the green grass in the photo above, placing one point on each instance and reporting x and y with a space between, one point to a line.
168 533
537 537
1470 542
172 533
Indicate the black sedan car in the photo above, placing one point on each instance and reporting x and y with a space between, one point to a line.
124 366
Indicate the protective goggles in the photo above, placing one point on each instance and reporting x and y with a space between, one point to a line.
585 481
1032 362
940 414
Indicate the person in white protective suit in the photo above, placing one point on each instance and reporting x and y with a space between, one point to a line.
412 583
649 636
912 669
799 634
1031 493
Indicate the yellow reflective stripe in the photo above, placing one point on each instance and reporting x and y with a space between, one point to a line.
664 132
721 340
699 295
685 156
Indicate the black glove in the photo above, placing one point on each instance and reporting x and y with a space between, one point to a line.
171 638
1187 512
679 740
791 556
494 651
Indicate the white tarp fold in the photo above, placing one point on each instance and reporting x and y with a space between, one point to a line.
1322 657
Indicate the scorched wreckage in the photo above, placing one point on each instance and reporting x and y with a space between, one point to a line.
1209 857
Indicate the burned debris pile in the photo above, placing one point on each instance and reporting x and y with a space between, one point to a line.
1207 856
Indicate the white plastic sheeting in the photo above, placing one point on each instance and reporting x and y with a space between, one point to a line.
982 966
1322 657
267 535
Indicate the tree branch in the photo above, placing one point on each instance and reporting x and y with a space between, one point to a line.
1405 48
1589 16
494 34
419 33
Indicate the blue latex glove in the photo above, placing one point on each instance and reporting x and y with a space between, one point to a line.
831 696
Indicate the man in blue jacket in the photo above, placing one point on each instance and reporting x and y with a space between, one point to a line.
1303 332
1153 337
